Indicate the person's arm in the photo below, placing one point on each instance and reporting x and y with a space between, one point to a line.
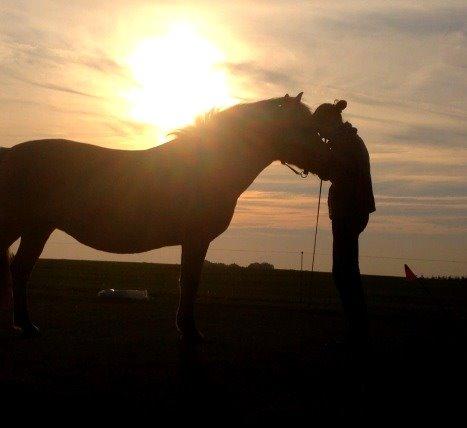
344 160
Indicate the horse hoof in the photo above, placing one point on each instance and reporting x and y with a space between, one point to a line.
28 331
10 332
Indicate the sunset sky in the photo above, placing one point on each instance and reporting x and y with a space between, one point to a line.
124 73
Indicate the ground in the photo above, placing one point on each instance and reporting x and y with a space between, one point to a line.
266 358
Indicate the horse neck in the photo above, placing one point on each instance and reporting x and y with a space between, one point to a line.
243 164
227 163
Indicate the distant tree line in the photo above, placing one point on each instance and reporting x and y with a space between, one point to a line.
253 266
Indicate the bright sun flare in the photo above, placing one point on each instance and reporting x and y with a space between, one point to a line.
178 76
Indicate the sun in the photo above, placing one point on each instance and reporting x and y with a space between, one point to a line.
178 75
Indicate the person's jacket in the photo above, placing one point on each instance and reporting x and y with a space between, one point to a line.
351 191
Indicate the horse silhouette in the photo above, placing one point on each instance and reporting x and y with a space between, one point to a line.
183 192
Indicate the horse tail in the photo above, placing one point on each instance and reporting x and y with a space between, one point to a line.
6 285
5 272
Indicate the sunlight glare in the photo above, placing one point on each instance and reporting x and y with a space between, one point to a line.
178 76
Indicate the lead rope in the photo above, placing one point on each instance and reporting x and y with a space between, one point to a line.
314 244
316 227
304 174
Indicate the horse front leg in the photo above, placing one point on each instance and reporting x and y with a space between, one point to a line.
193 254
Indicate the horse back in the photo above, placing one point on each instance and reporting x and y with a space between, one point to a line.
155 196
62 175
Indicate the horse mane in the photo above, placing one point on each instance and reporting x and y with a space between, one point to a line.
200 124
207 123
219 122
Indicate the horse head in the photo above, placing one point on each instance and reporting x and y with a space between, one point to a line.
289 134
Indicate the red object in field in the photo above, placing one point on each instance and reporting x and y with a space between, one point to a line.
409 275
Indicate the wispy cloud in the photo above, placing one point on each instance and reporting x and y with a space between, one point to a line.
414 20
259 75
402 67
55 87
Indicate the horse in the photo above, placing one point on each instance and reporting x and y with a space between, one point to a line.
183 192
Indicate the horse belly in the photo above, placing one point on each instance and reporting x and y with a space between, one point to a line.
123 229
124 238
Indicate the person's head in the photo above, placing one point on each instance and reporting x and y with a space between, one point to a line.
285 127
328 117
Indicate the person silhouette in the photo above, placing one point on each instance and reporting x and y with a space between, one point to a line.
350 201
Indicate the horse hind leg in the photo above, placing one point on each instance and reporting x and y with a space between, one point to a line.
6 240
30 248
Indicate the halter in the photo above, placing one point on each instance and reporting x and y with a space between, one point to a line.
304 173
301 174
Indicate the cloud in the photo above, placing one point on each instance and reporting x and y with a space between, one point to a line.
434 211
104 64
127 128
274 210
424 188
55 87
411 168
414 224
431 135
259 74
299 187
20 54
414 21
402 67
403 105
273 213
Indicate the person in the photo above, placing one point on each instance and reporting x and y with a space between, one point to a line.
350 201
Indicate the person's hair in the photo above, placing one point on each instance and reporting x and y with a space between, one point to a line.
328 114
328 109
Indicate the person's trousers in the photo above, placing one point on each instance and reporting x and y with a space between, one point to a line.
346 274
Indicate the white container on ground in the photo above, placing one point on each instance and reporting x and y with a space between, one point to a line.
111 293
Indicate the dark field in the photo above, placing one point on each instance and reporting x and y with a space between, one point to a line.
266 358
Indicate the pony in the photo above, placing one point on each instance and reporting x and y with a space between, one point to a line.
183 192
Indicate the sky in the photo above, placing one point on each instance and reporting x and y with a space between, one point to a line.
114 73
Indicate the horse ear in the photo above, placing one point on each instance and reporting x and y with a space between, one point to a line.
341 105
286 97
298 98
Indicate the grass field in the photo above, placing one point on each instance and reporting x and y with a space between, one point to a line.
265 359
